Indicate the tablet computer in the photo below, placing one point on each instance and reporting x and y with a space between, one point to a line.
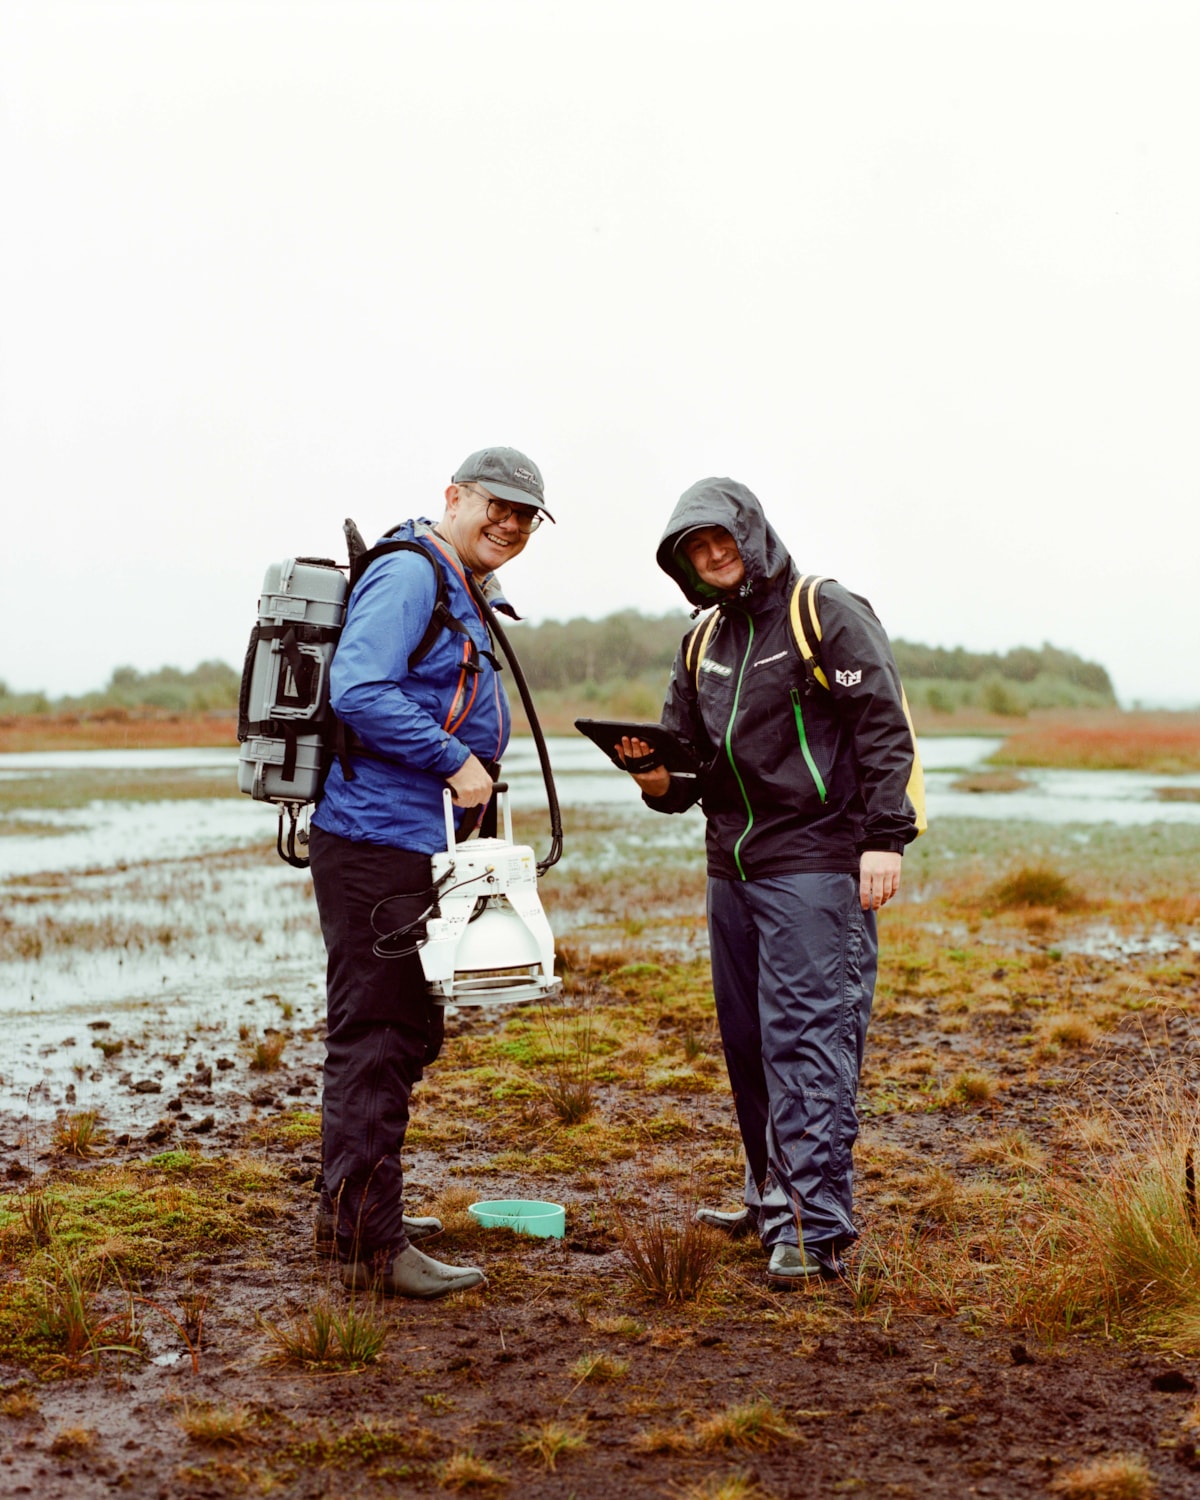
608 733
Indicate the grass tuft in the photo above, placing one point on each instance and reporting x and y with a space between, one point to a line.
1036 886
740 1485
77 1135
40 1214
268 1052
550 1442
218 1426
749 1424
72 1440
669 1261
599 1368
972 1086
67 1319
570 1088
463 1471
19 1404
1120 1248
324 1334
1125 1476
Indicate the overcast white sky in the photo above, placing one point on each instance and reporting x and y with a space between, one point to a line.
925 276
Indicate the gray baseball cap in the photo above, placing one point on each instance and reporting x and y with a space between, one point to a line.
507 473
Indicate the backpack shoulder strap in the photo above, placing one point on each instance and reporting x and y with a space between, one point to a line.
697 644
441 618
802 610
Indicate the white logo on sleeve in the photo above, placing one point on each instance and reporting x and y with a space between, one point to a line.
849 679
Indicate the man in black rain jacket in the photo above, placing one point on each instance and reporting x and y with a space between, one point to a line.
805 792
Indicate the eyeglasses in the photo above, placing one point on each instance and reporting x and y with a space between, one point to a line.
528 520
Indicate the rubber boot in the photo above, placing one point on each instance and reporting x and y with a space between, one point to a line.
412 1273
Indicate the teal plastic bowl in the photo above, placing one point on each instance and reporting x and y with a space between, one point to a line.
525 1215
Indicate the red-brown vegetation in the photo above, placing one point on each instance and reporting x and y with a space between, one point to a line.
1163 742
115 729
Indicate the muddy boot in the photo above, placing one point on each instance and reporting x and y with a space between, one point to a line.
325 1230
735 1224
789 1266
412 1273
792 1264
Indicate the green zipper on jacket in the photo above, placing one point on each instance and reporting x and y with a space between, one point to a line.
804 750
737 692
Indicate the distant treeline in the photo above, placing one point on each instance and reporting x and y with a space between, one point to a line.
208 688
629 647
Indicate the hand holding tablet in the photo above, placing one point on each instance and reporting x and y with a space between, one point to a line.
626 740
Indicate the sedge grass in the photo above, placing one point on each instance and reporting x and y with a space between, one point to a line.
671 1261
79 1134
1121 1248
326 1335
69 1323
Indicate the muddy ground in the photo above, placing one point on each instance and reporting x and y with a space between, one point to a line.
875 1386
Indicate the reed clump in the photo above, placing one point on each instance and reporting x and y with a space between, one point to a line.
669 1260
569 1087
1121 1248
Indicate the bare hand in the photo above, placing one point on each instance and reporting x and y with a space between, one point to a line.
471 784
654 783
878 878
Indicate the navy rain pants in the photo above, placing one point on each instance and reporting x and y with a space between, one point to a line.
382 1029
793 963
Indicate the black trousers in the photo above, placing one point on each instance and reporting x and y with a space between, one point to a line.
382 1029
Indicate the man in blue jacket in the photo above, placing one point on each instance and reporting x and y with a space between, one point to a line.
805 787
414 727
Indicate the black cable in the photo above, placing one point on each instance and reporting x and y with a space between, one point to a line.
489 614
377 947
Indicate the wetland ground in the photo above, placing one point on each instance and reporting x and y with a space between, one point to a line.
1028 1105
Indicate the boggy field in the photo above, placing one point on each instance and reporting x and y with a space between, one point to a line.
1022 1316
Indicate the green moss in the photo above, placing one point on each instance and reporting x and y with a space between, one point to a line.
295 1127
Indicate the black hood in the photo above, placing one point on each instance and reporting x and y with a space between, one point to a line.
722 502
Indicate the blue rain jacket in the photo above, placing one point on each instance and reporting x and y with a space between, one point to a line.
426 719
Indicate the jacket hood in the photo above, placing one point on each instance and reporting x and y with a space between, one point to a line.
722 502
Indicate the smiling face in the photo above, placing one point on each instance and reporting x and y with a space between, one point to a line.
713 553
483 544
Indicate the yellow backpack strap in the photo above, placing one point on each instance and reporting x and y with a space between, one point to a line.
697 644
916 777
803 611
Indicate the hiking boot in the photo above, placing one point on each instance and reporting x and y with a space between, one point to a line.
325 1231
791 1264
409 1274
735 1224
